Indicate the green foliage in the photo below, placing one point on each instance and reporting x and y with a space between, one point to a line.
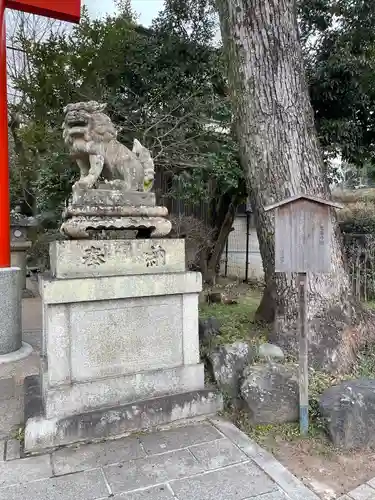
339 47
237 320
163 85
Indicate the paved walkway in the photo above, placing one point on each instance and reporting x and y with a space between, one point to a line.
206 460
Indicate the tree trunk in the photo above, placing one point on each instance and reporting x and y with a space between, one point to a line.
224 224
279 147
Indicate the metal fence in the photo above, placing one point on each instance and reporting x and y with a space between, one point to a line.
166 187
360 260
241 258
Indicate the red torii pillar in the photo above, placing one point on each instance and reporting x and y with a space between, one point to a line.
64 10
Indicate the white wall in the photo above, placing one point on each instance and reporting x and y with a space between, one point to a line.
237 251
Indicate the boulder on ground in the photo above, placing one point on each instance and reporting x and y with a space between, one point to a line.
349 412
270 352
271 393
228 362
208 328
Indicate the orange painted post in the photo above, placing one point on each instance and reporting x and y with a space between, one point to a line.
68 10
4 163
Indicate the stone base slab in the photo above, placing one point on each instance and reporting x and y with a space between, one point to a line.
23 352
42 433
54 291
68 400
105 195
85 227
91 258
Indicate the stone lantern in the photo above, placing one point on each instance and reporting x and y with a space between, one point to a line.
20 244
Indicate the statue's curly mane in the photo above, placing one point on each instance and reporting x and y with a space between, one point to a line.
101 128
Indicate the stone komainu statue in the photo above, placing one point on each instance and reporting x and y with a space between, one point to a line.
92 140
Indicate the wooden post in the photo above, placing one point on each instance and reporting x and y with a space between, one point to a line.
303 355
4 165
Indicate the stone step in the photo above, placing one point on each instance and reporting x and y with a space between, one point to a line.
42 434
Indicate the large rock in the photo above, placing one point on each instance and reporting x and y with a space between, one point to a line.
228 363
270 392
349 412
270 352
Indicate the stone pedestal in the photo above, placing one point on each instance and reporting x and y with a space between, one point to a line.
120 342
91 211
10 310
11 347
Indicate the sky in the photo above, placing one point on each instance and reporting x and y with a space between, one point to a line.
146 9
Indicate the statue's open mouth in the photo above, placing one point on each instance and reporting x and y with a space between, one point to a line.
74 122
76 119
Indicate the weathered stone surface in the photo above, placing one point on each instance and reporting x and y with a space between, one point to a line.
13 449
363 492
41 433
349 411
208 328
228 363
152 470
86 485
117 287
10 310
108 197
270 352
84 227
69 460
270 392
7 388
217 454
236 482
157 493
181 437
65 400
142 333
25 470
89 258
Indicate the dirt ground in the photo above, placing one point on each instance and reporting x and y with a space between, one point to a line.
327 471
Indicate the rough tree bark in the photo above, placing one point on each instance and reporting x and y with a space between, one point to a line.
279 146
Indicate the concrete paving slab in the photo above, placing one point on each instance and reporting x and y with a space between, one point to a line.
372 483
7 388
158 493
13 449
235 483
24 471
217 454
292 486
11 416
363 492
81 486
84 457
151 471
182 437
275 495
